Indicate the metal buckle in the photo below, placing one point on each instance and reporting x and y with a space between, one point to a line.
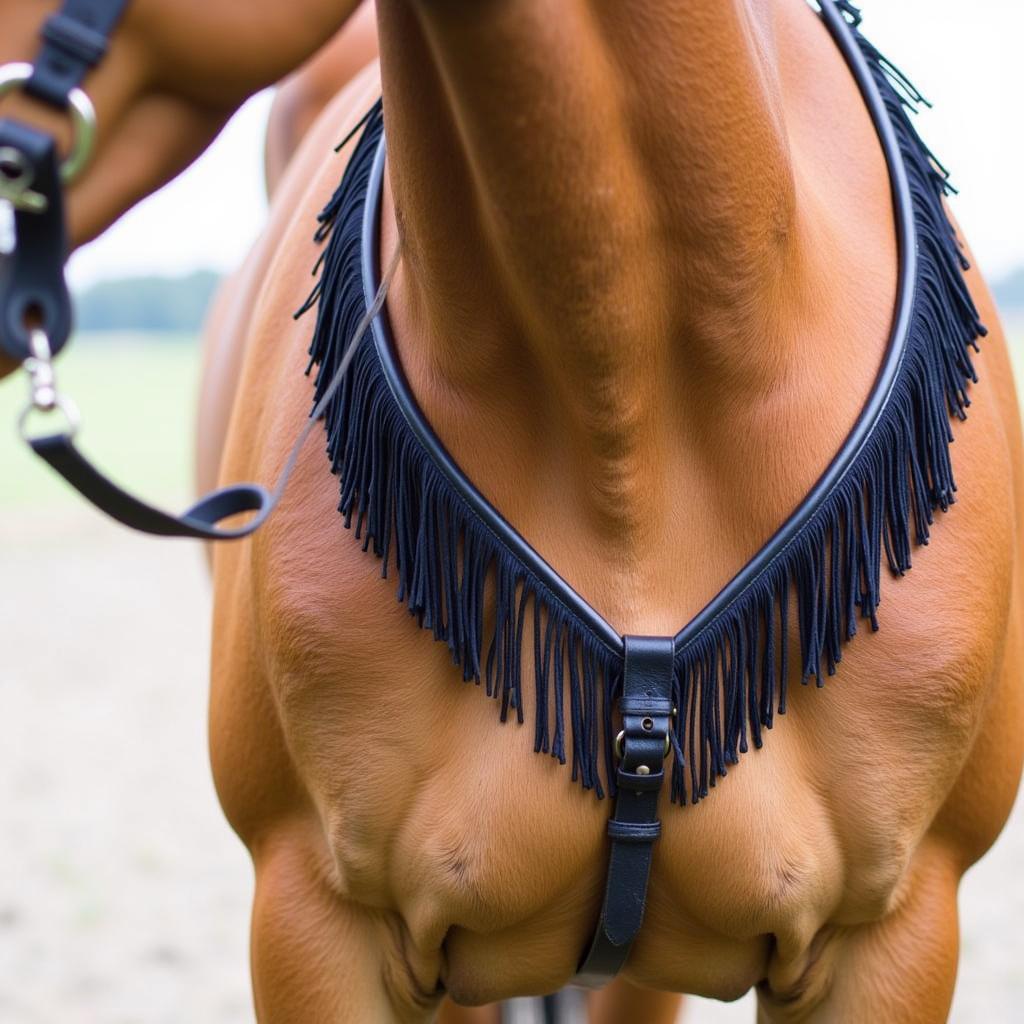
83 121
620 740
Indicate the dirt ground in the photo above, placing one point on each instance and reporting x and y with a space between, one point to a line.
123 895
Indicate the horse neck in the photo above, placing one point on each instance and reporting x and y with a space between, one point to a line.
597 206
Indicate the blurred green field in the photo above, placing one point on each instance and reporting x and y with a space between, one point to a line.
137 396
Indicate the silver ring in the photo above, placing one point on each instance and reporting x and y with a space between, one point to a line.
83 119
64 405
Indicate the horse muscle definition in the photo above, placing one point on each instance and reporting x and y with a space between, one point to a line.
647 274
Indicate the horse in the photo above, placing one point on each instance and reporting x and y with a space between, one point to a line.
642 267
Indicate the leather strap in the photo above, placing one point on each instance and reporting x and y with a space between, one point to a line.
199 521
602 631
646 707
74 42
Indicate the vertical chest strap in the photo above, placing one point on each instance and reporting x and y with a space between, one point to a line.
641 748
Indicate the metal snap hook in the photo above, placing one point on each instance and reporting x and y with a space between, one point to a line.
83 119
43 394
61 404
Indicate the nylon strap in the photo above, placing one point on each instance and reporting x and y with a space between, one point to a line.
646 707
74 42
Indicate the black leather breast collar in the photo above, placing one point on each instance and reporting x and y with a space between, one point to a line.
696 695
463 571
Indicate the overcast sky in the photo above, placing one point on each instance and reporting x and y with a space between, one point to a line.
965 55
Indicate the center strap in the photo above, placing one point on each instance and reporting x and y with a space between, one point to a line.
646 707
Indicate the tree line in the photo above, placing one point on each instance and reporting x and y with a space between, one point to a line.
165 304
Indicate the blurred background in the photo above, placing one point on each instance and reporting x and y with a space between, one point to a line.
123 895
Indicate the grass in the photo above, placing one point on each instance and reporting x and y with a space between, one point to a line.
137 396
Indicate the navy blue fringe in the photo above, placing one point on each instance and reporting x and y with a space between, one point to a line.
461 582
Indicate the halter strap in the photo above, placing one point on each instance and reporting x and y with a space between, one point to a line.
74 41
33 246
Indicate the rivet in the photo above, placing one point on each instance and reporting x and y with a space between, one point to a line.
642 769
648 724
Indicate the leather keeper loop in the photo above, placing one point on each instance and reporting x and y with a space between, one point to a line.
633 729
634 832
640 783
646 706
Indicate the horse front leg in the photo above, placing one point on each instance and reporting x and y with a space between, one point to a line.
320 959
900 969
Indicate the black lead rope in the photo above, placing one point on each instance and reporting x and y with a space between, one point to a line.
35 306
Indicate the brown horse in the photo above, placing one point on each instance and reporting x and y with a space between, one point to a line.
648 268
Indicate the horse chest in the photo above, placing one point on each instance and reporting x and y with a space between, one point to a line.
431 809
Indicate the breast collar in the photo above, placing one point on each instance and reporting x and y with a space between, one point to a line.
704 695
